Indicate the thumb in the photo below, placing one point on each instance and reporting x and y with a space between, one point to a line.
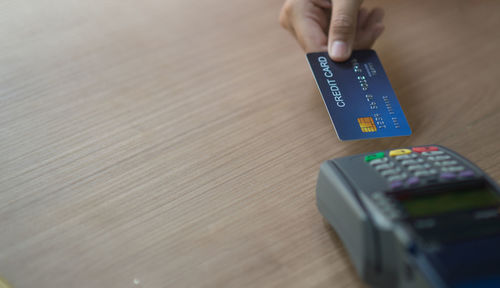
342 28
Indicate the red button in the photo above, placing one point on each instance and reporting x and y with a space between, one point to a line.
419 149
425 149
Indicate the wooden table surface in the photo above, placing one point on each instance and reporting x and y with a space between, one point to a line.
177 143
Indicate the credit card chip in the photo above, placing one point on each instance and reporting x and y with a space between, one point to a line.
367 124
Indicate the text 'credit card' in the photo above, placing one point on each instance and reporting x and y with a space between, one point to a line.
358 96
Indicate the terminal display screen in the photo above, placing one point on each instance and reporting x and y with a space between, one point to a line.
450 201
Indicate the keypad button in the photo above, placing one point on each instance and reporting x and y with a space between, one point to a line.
453 169
456 168
374 156
446 163
397 177
442 157
402 157
418 167
398 184
438 158
422 174
412 181
406 156
379 161
425 173
384 166
389 172
411 162
449 163
466 174
419 149
432 153
398 152
424 149
448 176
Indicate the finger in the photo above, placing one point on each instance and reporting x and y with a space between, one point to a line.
327 4
342 28
378 29
362 17
310 35
375 16
366 38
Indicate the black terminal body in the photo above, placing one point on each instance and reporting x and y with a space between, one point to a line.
414 217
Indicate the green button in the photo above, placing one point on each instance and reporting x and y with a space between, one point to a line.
371 157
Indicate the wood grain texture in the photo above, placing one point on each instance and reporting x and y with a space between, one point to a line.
176 143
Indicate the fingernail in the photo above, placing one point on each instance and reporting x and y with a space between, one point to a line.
339 50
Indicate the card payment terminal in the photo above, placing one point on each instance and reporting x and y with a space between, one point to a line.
414 217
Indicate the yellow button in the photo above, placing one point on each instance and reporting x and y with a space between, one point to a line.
399 152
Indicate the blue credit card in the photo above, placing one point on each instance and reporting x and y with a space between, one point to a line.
358 96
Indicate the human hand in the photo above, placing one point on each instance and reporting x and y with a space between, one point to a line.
319 25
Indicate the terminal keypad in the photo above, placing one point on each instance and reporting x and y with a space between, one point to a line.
405 168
